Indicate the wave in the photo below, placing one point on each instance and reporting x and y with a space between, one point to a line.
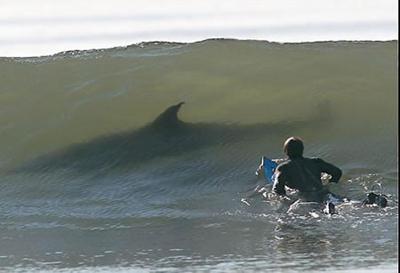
50 103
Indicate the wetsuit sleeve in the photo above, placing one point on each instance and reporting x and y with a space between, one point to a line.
279 183
330 169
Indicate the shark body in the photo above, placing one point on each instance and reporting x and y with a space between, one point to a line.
167 135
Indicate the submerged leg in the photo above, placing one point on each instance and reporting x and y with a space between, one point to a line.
329 208
377 199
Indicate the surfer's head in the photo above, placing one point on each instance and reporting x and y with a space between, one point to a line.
293 147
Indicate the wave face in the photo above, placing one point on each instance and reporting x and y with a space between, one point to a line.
90 155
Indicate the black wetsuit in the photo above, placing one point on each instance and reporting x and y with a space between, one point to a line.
304 175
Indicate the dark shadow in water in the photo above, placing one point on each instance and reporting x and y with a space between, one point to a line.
167 135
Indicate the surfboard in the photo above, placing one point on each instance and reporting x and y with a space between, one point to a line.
269 167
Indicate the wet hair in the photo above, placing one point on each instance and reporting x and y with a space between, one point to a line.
293 147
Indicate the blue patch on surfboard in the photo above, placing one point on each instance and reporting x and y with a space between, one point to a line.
269 169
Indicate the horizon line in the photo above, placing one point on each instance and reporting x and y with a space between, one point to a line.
153 42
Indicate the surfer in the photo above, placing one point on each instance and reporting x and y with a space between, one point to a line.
300 176
304 174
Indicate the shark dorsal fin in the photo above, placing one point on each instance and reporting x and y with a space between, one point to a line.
169 117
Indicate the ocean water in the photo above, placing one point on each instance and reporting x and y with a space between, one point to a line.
94 178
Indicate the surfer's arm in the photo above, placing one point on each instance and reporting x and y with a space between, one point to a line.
330 169
279 183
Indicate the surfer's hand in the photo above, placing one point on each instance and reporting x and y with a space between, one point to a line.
259 170
278 160
326 178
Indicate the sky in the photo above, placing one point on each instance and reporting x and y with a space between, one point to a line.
43 27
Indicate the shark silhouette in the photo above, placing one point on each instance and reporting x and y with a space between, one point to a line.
167 135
